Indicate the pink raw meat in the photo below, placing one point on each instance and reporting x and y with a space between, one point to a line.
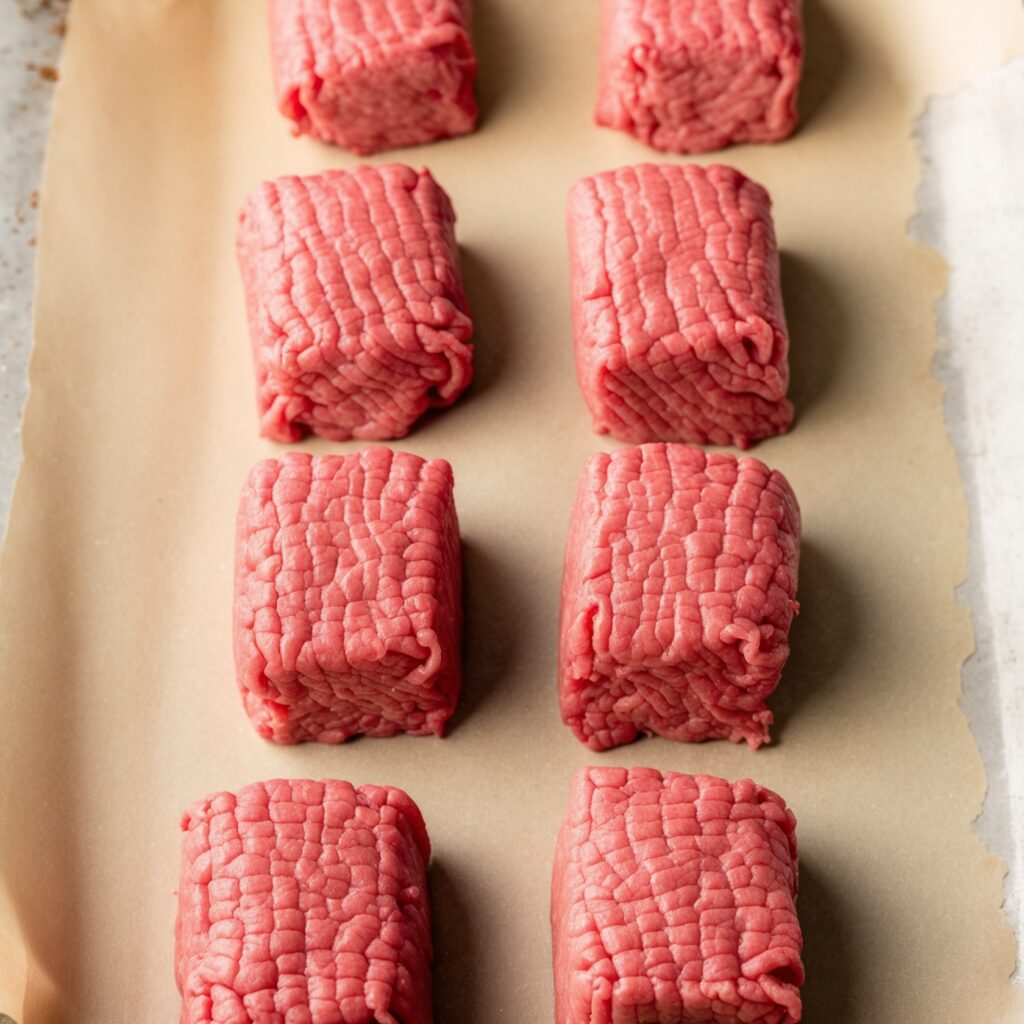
673 899
687 76
677 310
347 596
304 903
374 74
679 590
358 318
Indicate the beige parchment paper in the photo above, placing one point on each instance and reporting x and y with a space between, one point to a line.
118 702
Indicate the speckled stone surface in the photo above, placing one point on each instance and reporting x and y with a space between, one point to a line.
30 40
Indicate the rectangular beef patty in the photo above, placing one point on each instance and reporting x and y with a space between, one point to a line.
677 308
305 902
357 314
347 596
678 593
673 898
374 74
694 75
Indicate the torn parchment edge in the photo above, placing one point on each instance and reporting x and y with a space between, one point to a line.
969 325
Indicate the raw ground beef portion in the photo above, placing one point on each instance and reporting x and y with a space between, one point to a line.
694 75
677 308
357 314
304 902
348 596
674 899
374 74
679 590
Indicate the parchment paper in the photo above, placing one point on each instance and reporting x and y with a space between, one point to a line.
119 705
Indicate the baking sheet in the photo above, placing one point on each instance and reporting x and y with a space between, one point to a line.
118 701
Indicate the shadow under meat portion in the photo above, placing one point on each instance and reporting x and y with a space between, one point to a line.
829 957
457 976
491 320
493 611
819 332
822 637
826 57
494 40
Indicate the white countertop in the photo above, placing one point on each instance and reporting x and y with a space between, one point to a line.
972 209
30 40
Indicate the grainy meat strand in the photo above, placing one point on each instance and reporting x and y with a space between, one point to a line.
304 903
688 76
678 593
347 596
677 308
673 899
358 319
371 75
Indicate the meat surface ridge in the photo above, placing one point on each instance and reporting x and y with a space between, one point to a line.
674 898
678 320
304 901
357 314
678 592
698 75
372 75
347 596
